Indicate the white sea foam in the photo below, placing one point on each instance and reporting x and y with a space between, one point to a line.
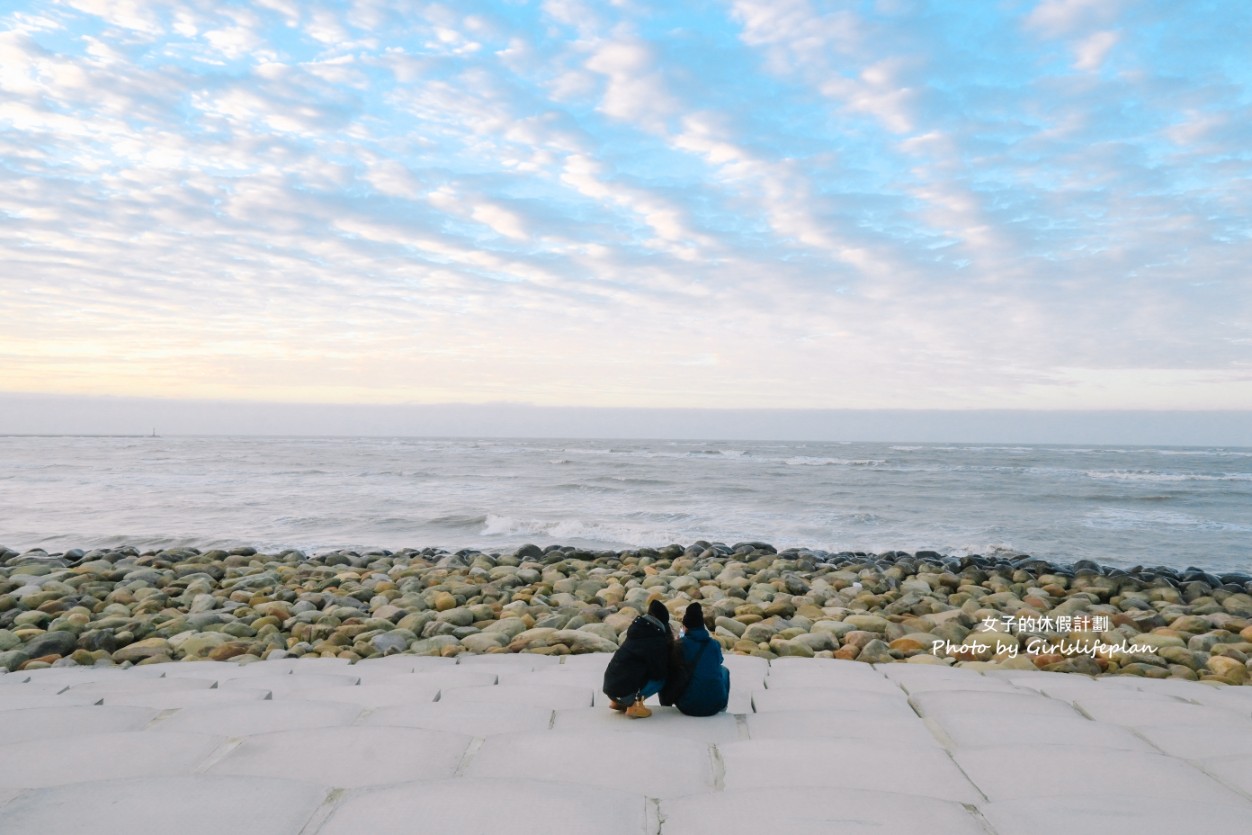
1164 477
813 461
1206 453
571 531
1126 519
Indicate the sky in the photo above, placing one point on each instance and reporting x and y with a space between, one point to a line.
1035 205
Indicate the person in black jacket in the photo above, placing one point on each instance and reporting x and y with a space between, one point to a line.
700 684
641 664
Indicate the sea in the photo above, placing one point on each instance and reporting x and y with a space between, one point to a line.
1120 506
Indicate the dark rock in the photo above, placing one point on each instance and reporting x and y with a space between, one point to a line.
13 659
99 639
795 584
1191 573
51 643
1196 589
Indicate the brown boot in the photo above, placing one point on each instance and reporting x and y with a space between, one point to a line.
638 710
616 705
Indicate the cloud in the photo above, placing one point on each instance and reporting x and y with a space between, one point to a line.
500 219
795 34
828 48
777 204
1058 17
134 15
393 178
635 93
1091 52
234 41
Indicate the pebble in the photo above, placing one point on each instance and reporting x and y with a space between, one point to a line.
126 606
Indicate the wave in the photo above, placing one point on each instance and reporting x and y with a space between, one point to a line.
1121 497
706 452
1130 519
636 481
1164 477
1012 449
1207 453
510 528
812 461
457 520
584 487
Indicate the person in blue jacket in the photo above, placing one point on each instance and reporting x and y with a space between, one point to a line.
704 689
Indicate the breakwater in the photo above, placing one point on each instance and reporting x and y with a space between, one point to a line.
127 606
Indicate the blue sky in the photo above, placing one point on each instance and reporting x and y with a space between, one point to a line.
757 203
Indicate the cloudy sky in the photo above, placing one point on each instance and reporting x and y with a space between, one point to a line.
1026 204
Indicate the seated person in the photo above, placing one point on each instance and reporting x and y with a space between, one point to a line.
703 687
640 666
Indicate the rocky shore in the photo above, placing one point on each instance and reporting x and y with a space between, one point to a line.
123 606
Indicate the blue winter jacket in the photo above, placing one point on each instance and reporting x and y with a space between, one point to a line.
709 689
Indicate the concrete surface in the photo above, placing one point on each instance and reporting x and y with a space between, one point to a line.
526 744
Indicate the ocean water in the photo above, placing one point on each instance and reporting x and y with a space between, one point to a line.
1119 506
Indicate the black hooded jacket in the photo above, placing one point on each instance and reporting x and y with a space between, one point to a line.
643 656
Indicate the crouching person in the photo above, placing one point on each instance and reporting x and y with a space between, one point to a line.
703 688
640 666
